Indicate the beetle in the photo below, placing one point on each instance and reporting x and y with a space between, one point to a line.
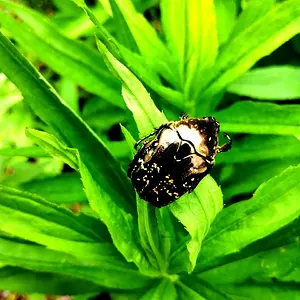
176 158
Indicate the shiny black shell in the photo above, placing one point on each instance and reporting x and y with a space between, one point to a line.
175 160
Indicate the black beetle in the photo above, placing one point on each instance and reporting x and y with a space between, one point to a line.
179 156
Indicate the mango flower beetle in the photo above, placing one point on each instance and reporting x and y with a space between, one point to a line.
172 163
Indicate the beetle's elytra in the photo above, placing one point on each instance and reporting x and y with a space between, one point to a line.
175 160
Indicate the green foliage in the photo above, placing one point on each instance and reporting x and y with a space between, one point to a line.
74 75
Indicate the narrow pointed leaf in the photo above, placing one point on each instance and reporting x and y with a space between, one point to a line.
28 282
262 37
261 148
28 216
110 273
51 109
274 205
201 42
254 290
67 57
121 225
269 83
196 211
56 149
226 14
124 34
32 151
137 99
165 290
65 188
260 118
279 263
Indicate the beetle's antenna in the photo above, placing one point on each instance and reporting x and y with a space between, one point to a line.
183 116
226 146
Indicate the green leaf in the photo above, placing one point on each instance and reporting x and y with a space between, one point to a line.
121 225
124 35
66 6
28 216
32 151
164 290
186 293
226 13
109 273
277 263
141 66
79 24
145 113
9 94
255 148
252 10
196 211
62 189
254 290
23 281
193 288
18 170
69 92
69 58
242 51
246 177
154 225
260 118
190 28
148 42
274 205
201 42
269 83
74 132
51 144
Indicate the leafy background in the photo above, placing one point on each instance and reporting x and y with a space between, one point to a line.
140 63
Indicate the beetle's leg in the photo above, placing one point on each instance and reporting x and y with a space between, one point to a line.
155 132
226 146
183 116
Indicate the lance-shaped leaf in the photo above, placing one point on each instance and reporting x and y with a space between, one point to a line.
260 118
243 50
73 131
261 147
243 180
194 288
196 211
254 290
109 273
65 56
123 33
29 282
138 64
148 42
273 206
121 225
9 94
32 151
164 290
30 217
226 14
137 99
62 189
269 83
190 28
107 208
259 260
279 263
